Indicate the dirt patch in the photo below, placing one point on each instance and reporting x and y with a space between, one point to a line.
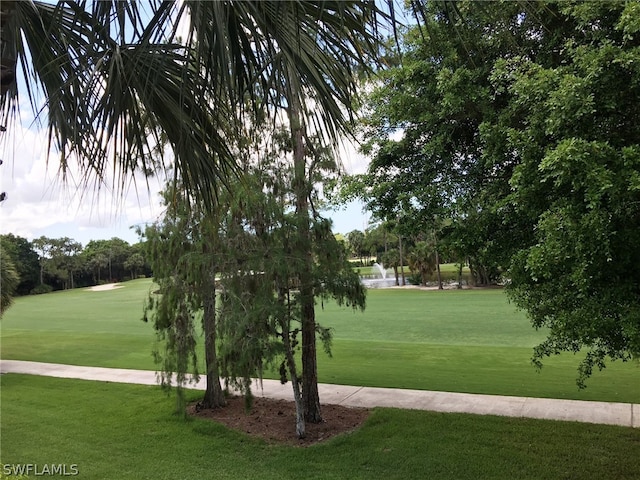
274 420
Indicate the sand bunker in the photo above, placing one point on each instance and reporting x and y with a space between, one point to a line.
102 288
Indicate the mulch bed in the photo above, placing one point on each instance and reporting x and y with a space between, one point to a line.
274 420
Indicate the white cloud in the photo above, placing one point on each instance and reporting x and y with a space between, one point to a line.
351 159
40 203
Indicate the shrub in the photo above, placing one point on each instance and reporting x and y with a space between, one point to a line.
40 289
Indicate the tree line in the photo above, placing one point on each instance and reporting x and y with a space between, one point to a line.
45 264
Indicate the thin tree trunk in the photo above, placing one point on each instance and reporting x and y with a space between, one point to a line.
295 381
401 260
213 396
438 270
310 395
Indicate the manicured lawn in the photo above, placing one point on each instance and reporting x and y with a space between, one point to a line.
81 327
129 432
461 341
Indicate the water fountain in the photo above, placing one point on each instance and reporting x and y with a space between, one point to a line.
379 281
381 269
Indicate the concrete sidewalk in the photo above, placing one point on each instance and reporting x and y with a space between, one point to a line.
624 414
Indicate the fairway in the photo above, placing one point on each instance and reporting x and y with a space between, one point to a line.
461 341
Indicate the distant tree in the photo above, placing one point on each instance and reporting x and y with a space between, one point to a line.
96 263
355 238
106 259
60 260
422 260
42 245
64 261
134 263
392 259
376 241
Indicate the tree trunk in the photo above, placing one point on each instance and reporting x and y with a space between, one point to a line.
310 395
213 395
295 381
401 260
438 270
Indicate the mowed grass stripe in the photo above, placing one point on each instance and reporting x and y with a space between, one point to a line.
487 370
449 317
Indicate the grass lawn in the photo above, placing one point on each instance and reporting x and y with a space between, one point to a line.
118 431
460 341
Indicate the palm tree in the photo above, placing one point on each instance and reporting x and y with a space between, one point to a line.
423 259
118 80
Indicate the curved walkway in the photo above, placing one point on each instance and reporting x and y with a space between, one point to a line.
624 414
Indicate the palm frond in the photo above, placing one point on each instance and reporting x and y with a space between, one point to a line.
117 82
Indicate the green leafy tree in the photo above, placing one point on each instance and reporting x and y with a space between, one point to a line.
376 241
422 260
42 245
578 175
96 263
264 308
516 122
60 261
134 263
433 157
356 243
105 259
181 249
25 259
9 280
391 258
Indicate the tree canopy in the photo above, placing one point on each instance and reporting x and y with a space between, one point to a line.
517 124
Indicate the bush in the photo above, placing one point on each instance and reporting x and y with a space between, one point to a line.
40 289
